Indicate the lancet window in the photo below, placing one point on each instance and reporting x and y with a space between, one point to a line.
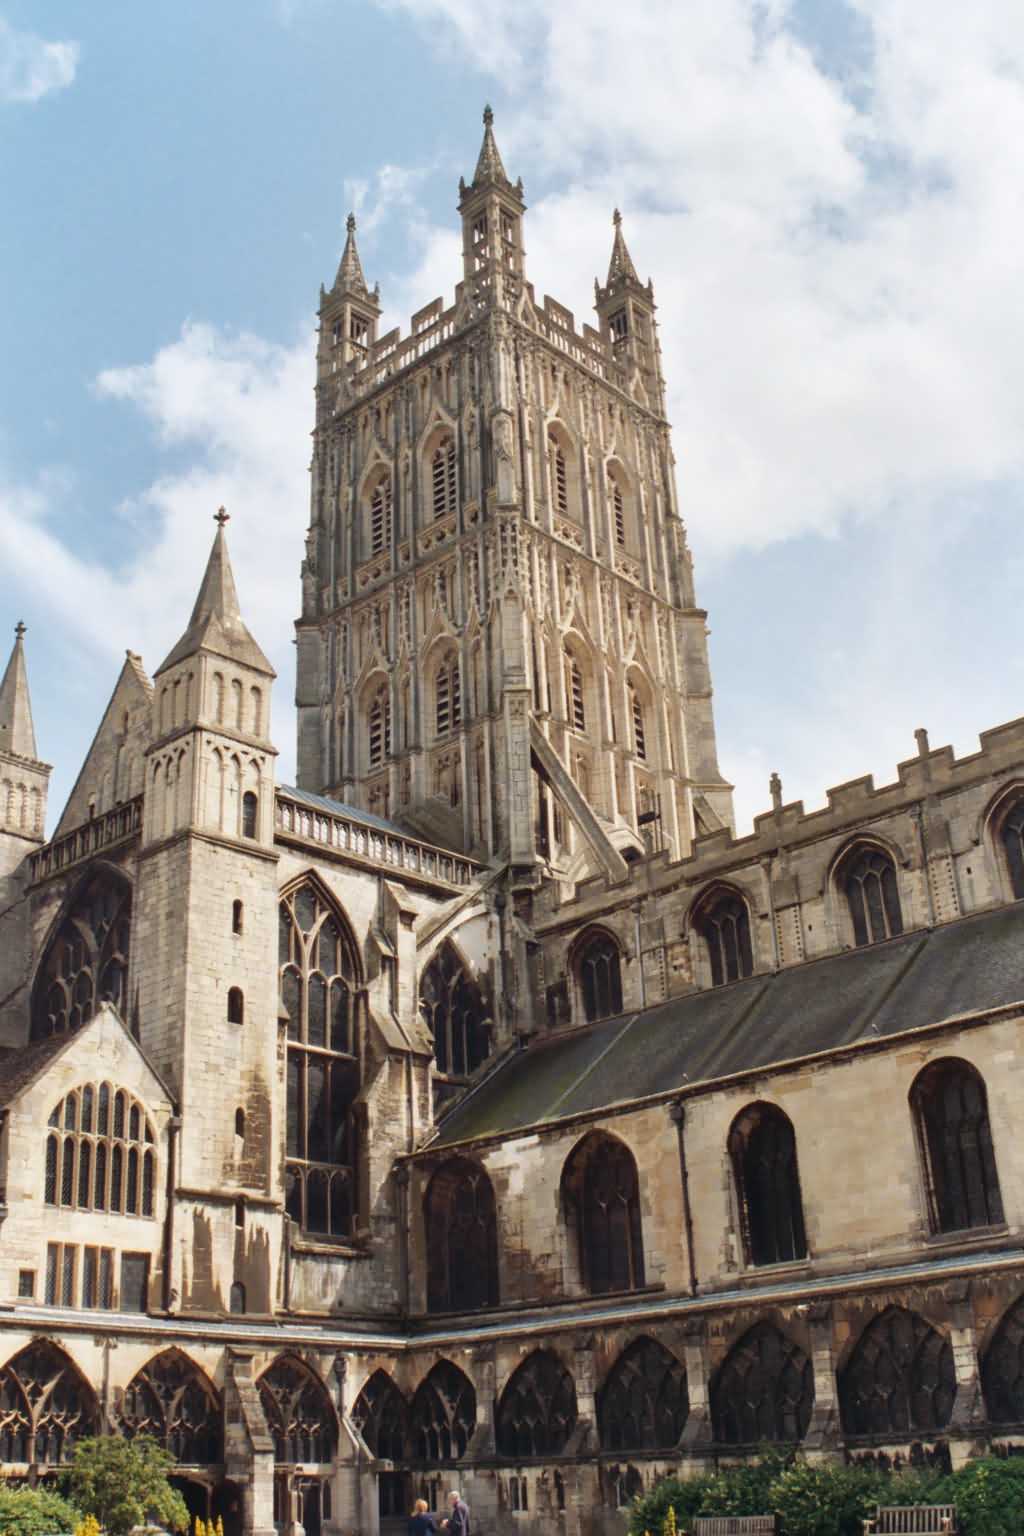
45 1407
537 1411
951 1110
869 880
455 1013
462 1238
442 477
559 476
636 710
171 1400
320 980
599 975
443 1415
724 924
86 962
380 516
380 1414
298 1412
1012 837
574 694
100 1153
763 1392
601 1196
1002 1370
643 1405
762 1147
899 1379
379 728
447 696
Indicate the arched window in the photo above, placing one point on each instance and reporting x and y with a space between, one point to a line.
95 1136
1002 1370
442 477
298 1412
537 1411
86 962
320 980
454 1011
173 1401
240 1124
636 711
599 976
380 515
601 1199
236 1299
574 694
236 1006
643 1405
559 475
1011 835
763 1392
379 728
899 1379
250 812
868 877
443 1415
447 696
950 1109
762 1147
618 502
381 1417
237 913
462 1238
45 1407
724 924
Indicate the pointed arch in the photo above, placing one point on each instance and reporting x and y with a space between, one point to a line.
443 678
537 1410
601 1202
762 1148
443 1415
620 502
1002 1368
174 1401
455 1012
950 1108
763 1391
643 1404
462 1238
899 1378
378 497
1004 827
563 473
381 1415
298 1411
85 961
376 711
865 876
46 1406
595 961
85 1146
721 918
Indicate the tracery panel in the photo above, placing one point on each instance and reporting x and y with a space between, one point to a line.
1002 1371
537 1411
299 1413
763 1391
462 1238
869 879
171 1399
380 1414
643 1405
46 1406
456 1014
951 1108
86 961
899 1380
100 1152
443 1415
602 1200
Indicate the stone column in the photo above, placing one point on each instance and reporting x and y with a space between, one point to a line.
698 1433
968 1422
822 1435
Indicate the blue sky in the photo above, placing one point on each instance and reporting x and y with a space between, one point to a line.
828 197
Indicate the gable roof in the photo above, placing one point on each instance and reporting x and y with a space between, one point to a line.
23 1065
970 966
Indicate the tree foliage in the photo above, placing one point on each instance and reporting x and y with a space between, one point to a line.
34 1512
124 1484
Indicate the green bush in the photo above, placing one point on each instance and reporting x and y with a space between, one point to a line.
124 1484
989 1496
34 1512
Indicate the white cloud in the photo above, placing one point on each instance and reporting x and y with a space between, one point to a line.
30 67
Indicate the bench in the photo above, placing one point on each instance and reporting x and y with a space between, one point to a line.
735 1525
912 1520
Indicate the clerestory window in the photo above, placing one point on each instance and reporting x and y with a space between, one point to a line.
869 879
100 1153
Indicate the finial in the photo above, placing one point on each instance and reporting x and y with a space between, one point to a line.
616 218
488 116
19 629
921 737
221 517
775 786
350 223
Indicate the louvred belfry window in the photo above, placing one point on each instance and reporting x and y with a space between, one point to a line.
951 1108
442 473
86 962
574 691
45 1407
454 1012
559 476
639 734
537 1411
443 1416
100 1153
380 516
618 511
299 1414
379 729
899 1380
172 1401
643 1405
869 878
320 993
448 696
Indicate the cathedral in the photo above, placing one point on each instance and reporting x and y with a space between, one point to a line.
480 1112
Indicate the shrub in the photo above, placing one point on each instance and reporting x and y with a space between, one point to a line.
124 1484
34 1512
989 1496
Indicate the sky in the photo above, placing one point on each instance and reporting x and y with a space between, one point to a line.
828 195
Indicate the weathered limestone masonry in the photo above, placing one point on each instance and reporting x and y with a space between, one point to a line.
482 1113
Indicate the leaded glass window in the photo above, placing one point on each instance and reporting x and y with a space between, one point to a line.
763 1151
600 979
1012 835
537 1411
443 1415
951 1108
602 1201
462 1238
86 962
455 1013
100 1161
172 1400
724 925
763 1392
45 1407
299 1413
899 1379
643 1405
319 992
869 879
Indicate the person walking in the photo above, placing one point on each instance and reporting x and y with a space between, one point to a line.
421 1521
457 1523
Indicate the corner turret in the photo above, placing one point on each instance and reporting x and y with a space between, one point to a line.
492 211
625 309
24 780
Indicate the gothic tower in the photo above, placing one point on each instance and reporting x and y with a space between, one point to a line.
499 644
23 778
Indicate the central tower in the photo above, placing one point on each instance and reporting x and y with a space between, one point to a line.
499 644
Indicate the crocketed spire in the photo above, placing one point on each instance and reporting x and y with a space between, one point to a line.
17 735
216 623
621 267
488 165
350 277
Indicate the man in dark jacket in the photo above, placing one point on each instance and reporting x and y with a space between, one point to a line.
457 1523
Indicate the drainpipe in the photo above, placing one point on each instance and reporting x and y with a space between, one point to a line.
677 1111
173 1129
